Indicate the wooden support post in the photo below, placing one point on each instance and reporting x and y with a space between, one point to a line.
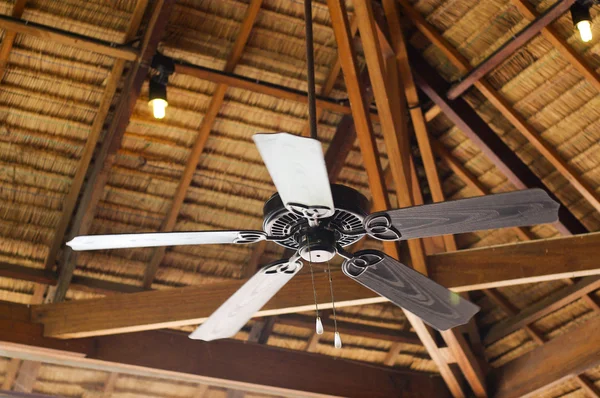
503 107
112 141
206 126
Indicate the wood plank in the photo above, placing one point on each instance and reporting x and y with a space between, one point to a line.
391 106
589 387
313 342
10 374
551 363
27 375
392 355
360 110
67 38
262 87
509 48
354 329
208 121
463 270
542 308
484 138
517 263
9 37
105 157
230 364
109 385
561 45
505 108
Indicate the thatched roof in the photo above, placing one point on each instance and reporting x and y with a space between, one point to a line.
50 94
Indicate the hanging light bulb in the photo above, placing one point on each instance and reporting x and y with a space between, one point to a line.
319 328
158 99
162 67
580 13
337 340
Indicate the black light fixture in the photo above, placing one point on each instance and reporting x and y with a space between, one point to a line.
580 13
157 97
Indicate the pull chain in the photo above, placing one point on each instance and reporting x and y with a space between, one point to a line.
337 340
319 324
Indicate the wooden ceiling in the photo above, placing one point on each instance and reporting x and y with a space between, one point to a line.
420 101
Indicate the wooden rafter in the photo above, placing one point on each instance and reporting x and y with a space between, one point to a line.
9 37
206 126
504 108
70 200
464 270
578 62
105 157
42 32
457 344
504 52
551 363
483 137
109 385
225 363
265 88
387 97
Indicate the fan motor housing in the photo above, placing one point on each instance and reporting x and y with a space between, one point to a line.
351 207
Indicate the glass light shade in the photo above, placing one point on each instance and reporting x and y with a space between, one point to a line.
585 30
159 107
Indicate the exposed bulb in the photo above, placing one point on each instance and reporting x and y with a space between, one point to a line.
159 107
319 328
585 30
337 340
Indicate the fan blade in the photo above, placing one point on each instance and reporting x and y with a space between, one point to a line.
122 241
513 209
297 168
407 288
233 314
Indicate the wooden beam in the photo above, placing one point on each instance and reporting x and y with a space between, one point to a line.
568 52
383 73
9 37
551 363
109 385
360 110
226 363
461 351
262 87
504 52
353 329
11 373
483 137
504 107
27 375
542 308
517 263
70 200
112 141
589 387
67 38
208 121
464 270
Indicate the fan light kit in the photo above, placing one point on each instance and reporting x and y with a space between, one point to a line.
318 220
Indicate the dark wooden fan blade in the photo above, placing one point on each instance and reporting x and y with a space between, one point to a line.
513 209
407 288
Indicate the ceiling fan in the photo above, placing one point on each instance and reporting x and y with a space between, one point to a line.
318 220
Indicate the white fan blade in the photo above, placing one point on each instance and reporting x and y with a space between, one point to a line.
234 313
297 168
122 241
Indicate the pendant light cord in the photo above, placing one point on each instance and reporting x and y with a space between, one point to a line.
310 62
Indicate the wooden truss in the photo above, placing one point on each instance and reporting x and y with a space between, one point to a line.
394 73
